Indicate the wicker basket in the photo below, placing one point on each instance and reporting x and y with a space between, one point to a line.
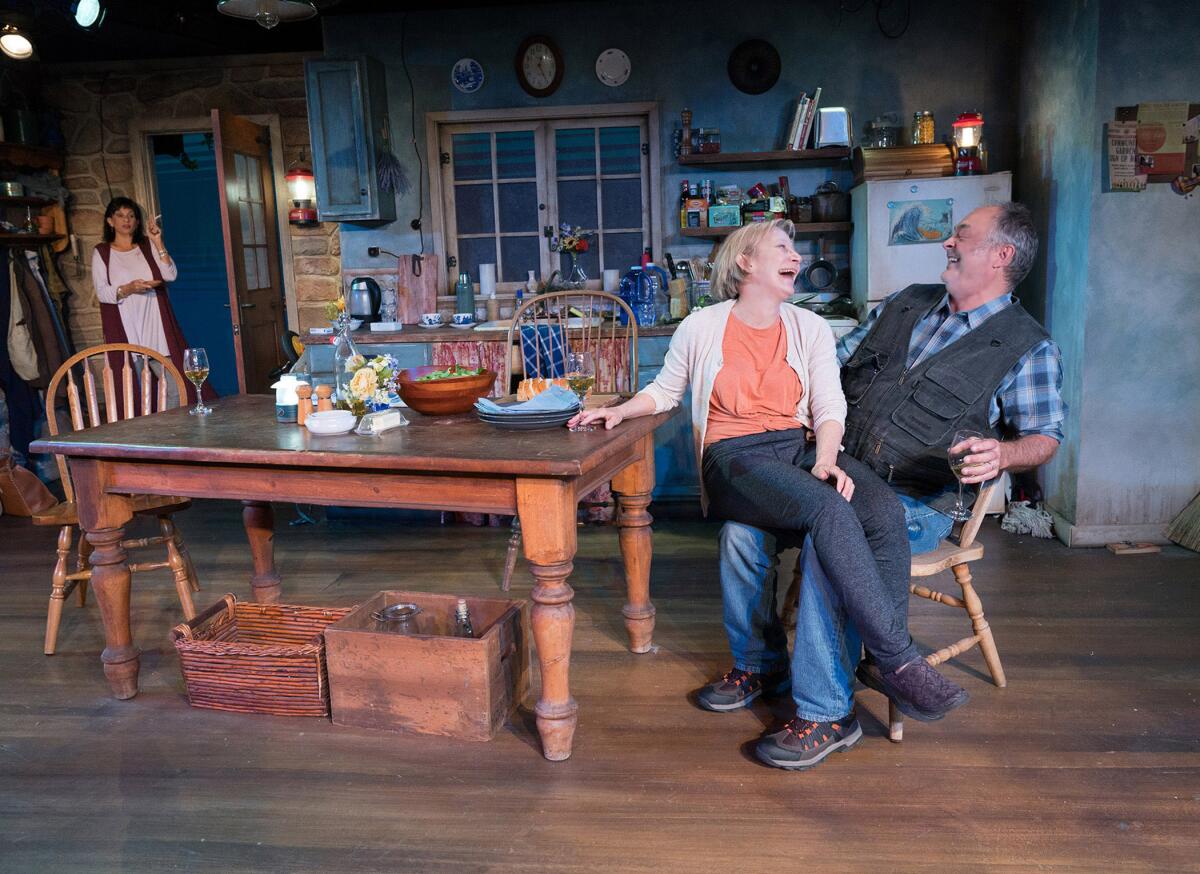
257 658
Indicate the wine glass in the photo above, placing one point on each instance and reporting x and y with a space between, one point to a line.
581 376
195 368
957 461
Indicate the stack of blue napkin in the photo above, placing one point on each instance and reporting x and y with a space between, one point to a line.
554 399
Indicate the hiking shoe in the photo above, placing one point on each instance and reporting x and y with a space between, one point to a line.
915 687
738 688
803 744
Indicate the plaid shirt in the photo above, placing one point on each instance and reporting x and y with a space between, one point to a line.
1028 399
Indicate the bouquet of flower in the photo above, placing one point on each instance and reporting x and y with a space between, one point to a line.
570 239
335 308
372 381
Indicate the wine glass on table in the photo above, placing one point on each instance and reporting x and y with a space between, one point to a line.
960 448
195 368
581 376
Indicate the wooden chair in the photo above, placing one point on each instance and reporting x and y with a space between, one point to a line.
134 386
588 321
954 556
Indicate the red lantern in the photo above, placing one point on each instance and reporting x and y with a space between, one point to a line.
968 134
302 191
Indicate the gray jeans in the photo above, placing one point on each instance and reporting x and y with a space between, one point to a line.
764 480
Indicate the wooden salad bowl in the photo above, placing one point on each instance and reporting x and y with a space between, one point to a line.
441 397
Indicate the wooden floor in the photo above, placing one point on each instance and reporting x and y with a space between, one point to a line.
1088 761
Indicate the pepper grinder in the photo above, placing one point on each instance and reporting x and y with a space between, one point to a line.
304 406
324 398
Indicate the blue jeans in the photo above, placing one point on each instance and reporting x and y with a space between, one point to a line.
827 647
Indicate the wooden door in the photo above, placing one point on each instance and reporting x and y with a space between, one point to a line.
252 263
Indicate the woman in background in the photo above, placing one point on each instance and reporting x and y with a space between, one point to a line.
130 270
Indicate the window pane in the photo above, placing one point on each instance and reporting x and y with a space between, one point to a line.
251 267
575 151
472 156
622 202
473 209
520 256
254 190
472 253
247 224
622 251
519 207
239 171
620 150
515 157
577 203
264 270
258 212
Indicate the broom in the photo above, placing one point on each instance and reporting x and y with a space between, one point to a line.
1185 528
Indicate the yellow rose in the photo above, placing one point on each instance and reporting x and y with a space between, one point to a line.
364 382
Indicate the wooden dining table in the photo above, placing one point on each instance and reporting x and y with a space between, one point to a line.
435 463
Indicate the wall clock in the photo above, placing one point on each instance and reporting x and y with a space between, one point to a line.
467 75
539 66
612 67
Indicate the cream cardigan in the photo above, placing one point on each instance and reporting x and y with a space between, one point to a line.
695 358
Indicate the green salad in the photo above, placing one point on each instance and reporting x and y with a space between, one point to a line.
451 373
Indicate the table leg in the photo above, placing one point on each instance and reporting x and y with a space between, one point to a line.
259 521
547 511
103 517
632 487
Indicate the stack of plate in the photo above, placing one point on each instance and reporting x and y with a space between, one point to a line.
533 421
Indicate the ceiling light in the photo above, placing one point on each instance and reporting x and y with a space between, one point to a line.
268 13
15 43
89 14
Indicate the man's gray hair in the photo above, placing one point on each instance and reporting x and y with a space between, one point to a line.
1014 227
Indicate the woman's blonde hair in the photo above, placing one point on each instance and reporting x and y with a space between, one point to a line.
727 276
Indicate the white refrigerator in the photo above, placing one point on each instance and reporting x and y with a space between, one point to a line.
900 224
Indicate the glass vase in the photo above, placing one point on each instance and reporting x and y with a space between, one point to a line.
343 350
576 278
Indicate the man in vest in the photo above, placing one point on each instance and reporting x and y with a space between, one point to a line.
929 361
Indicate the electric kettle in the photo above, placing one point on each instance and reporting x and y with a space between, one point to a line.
364 298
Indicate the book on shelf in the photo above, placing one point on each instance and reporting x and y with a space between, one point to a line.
794 127
805 103
806 125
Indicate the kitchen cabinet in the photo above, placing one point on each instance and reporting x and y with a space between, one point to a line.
347 122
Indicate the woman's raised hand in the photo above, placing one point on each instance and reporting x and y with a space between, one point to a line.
154 232
836 477
611 416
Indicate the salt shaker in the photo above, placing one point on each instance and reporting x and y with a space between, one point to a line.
324 399
303 402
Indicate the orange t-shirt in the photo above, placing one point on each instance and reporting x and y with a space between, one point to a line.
756 389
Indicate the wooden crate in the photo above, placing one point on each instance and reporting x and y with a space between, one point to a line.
902 162
428 681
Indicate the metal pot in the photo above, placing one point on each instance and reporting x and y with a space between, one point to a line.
364 299
830 204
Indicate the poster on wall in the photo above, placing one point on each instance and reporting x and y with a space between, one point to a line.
1160 137
1123 172
913 222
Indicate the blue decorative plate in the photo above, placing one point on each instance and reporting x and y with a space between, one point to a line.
467 75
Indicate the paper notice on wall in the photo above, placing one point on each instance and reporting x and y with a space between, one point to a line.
1160 137
1122 157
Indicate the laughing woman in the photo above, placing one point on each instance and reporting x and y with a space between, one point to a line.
768 415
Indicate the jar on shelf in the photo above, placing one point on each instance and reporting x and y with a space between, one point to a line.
923 128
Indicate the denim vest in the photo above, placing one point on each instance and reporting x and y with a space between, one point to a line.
900 421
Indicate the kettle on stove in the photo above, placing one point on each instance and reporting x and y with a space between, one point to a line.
364 299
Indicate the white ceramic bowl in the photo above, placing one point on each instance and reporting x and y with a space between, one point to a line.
330 422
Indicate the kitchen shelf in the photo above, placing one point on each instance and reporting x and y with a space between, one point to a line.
830 155
806 229
28 200
28 241
31 157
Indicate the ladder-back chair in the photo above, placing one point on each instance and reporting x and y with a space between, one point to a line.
954 555
134 385
546 327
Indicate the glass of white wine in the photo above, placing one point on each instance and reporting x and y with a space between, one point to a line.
195 368
581 376
960 448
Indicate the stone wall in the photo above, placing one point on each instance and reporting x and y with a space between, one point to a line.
97 103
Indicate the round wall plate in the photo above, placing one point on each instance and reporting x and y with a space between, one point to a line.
754 66
467 75
613 67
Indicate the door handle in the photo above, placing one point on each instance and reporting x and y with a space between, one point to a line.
247 306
